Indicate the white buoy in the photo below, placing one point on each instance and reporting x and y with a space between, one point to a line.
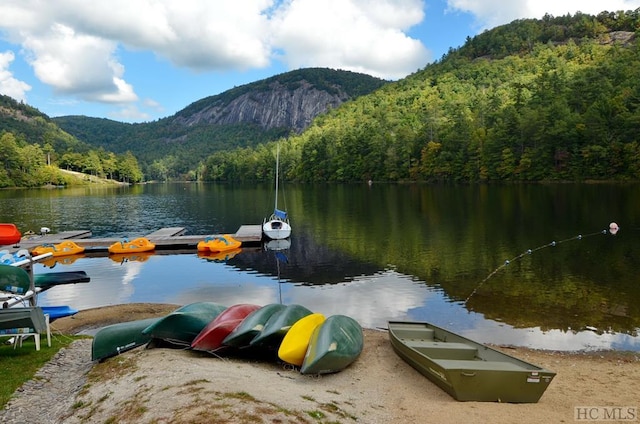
44 230
613 228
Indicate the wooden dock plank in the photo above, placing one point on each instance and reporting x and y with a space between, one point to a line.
78 234
249 233
167 232
171 238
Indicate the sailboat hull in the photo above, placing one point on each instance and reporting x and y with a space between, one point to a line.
277 226
276 229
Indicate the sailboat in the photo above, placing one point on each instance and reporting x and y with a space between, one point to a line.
277 227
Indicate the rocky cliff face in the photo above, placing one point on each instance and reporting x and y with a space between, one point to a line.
279 106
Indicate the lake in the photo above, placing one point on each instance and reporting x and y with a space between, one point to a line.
526 265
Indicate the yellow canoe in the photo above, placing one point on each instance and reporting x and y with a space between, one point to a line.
64 248
218 244
140 244
295 343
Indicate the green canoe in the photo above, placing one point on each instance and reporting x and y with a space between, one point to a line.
251 326
181 326
14 280
15 286
277 326
50 279
115 339
334 345
467 370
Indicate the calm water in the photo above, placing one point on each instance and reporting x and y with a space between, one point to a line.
418 252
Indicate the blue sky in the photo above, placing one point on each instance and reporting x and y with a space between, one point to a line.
142 60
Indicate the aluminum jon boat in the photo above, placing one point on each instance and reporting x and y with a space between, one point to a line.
467 370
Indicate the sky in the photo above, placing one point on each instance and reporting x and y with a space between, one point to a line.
143 60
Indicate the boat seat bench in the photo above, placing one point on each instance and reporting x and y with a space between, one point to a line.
472 365
408 332
444 350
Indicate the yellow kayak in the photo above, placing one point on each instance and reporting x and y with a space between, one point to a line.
295 342
61 249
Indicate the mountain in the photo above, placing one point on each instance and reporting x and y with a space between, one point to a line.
34 126
552 99
33 149
244 116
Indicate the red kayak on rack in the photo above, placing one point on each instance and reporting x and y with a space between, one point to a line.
211 337
9 234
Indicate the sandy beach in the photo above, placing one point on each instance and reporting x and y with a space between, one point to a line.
162 385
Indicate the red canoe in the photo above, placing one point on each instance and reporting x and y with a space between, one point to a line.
9 234
211 337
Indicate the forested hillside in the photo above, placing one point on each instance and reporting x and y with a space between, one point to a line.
241 117
535 100
32 148
550 99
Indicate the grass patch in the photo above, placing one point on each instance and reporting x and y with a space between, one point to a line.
112 368
318 415
17 366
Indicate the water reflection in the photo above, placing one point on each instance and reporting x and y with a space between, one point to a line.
377 253
371 299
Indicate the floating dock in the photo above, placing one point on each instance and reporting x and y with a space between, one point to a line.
172 239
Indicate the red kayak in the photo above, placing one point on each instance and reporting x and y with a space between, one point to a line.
211 337
9 234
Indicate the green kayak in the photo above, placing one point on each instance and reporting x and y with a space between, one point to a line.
181 326
251 326
334 345
115 339
278 324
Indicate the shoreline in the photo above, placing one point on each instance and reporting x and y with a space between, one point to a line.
171 385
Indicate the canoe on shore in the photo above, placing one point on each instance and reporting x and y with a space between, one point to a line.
211 337
181 326
251 326
467 370
115 339
277 326
296 342
334 345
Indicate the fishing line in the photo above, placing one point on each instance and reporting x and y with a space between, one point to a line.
613 229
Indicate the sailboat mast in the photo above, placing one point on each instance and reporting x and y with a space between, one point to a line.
277 169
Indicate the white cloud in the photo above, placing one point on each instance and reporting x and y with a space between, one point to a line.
129 113
78 64
357 35
10 86
73 45
79 47
491 13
